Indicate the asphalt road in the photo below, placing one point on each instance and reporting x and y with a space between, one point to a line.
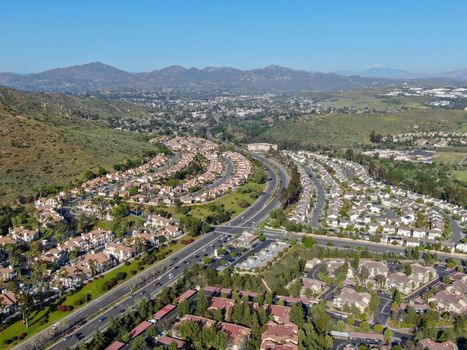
373 247
83 323
320 202
228 171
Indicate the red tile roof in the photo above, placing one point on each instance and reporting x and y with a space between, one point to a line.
169 340
213 289
186 295
140 329
115 346
163 312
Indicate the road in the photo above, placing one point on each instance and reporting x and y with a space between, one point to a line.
83 323
349 243
318 207
228 171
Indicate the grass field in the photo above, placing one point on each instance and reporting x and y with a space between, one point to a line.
348 129
51 140
460 175
450 158
369 99
49 315
230 201
37 153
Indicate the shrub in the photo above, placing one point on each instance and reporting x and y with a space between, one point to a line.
133 272
121 276
110 284
22 335
65 308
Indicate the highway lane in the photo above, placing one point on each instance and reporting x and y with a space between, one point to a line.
168 270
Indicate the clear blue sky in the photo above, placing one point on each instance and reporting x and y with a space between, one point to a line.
417 35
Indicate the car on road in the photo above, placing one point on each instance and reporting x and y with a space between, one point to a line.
103 318
66 337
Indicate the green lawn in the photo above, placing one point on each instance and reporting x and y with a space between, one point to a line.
48 316
460 175
231 200
450 158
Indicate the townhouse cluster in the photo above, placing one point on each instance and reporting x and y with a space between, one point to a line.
262 258
451 298
420 156
434 139
279 332
356 203
377 275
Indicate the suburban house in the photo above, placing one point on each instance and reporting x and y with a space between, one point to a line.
351 298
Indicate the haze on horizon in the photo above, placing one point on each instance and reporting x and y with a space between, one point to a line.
417 36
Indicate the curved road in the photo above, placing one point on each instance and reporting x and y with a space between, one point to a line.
318 207
83 323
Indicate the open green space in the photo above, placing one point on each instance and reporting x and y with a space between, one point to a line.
348 129
234 201
370 99
450 158
460 175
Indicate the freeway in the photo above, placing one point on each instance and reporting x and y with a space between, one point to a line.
83 323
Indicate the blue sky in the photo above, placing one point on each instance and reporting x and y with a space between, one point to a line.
420 36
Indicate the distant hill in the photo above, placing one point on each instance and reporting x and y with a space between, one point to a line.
99 76
459 75
51 140
383 73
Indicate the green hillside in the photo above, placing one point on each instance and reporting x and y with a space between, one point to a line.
347 129
42 146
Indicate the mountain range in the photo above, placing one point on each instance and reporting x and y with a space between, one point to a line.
96 76
394 73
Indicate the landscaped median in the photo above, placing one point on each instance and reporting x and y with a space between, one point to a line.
38 321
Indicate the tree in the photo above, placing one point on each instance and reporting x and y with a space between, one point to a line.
201 303
25 304
297 314
374 302
308 242
139 343
388 335
407 269
183 308
397 297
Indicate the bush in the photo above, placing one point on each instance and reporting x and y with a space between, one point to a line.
127 263
22 335
121 276
243 203
79 302
150 259
7 341
65 308
308 242
187 241
133 272
110 284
